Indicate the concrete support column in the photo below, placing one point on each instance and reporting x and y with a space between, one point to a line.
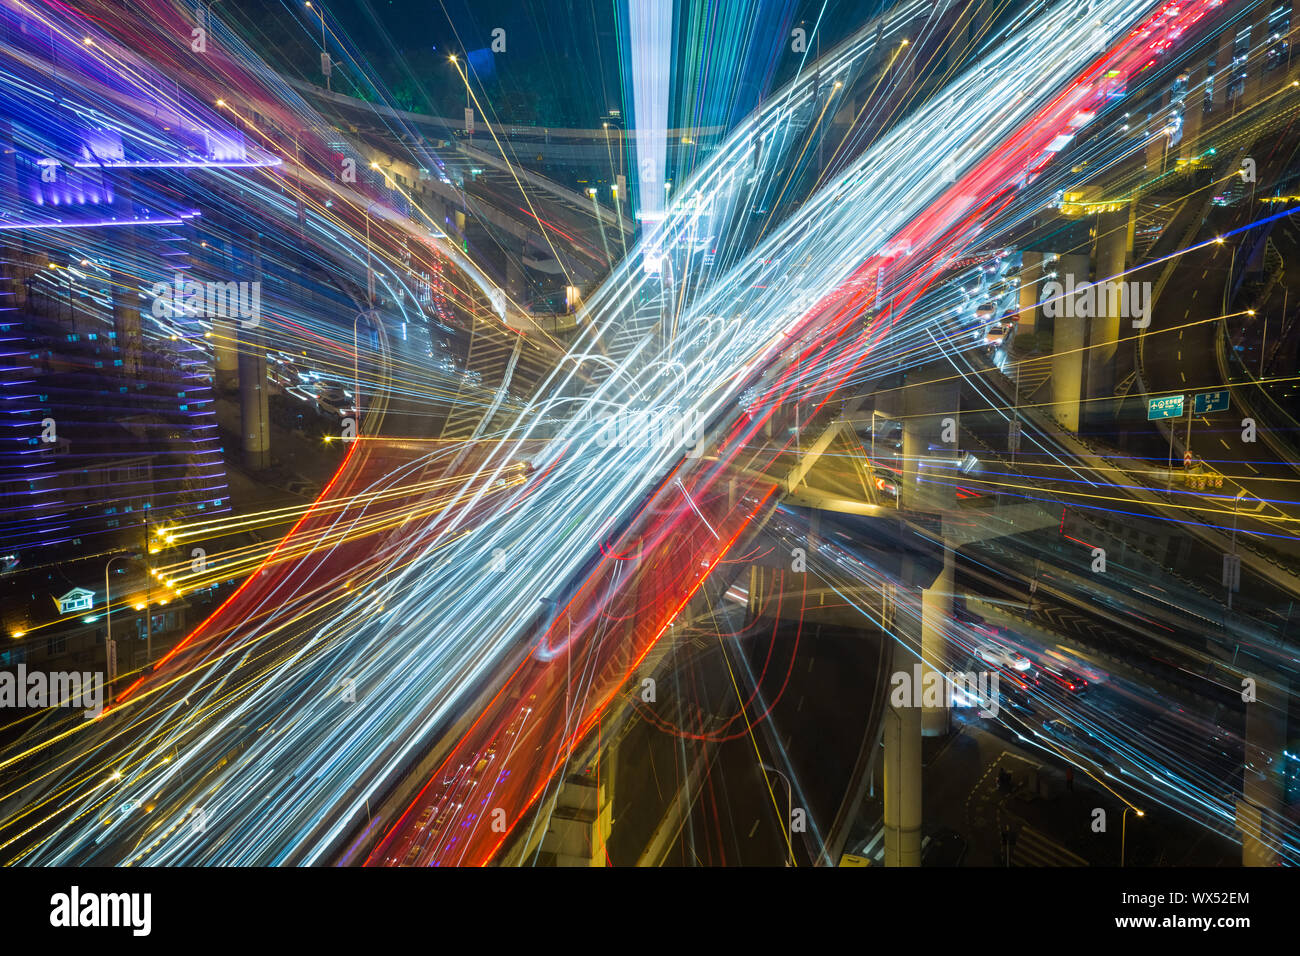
1193 112
901 734
936 613
932 415
1223 68
1260 806
1104 330
253 412
1031 271
1069 336
1255 68
1157 146
225 353
254 415
436 210
225 330
932 403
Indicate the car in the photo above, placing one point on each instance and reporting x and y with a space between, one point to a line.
284 375
1080 742
1064 679
999 655
331 398
997 333
943 847
1015 699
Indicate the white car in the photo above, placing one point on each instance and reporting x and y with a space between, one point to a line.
1003 657
334 400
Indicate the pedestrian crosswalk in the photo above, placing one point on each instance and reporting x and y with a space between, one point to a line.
1031 848
1034 849
874 849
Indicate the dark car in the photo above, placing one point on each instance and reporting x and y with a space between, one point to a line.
943 847
1017 700
1063 679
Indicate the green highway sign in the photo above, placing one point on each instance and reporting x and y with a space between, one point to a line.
1207 402
1168 406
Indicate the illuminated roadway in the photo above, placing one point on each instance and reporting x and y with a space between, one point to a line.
442 620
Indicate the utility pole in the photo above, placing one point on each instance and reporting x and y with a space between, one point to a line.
148 598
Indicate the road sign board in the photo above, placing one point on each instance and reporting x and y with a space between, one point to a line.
1232 572
1167 406
1207 402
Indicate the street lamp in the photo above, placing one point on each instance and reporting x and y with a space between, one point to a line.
789 810
205 7
108 612
370 276
356 358
109 647
1123 830
324 53
1236 502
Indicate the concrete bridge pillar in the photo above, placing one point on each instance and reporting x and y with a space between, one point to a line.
931 418
225 333
1157 146
936 613
1261 803
1193 112
1223 73
901 734
1031 272
903 726
1069 337
255 432
1105 328
254 414
1255 68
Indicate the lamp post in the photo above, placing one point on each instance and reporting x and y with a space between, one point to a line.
356 358
205 7
109 646
110 657
1123 830
324 53
789 810
1232 570
370 276
455 61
